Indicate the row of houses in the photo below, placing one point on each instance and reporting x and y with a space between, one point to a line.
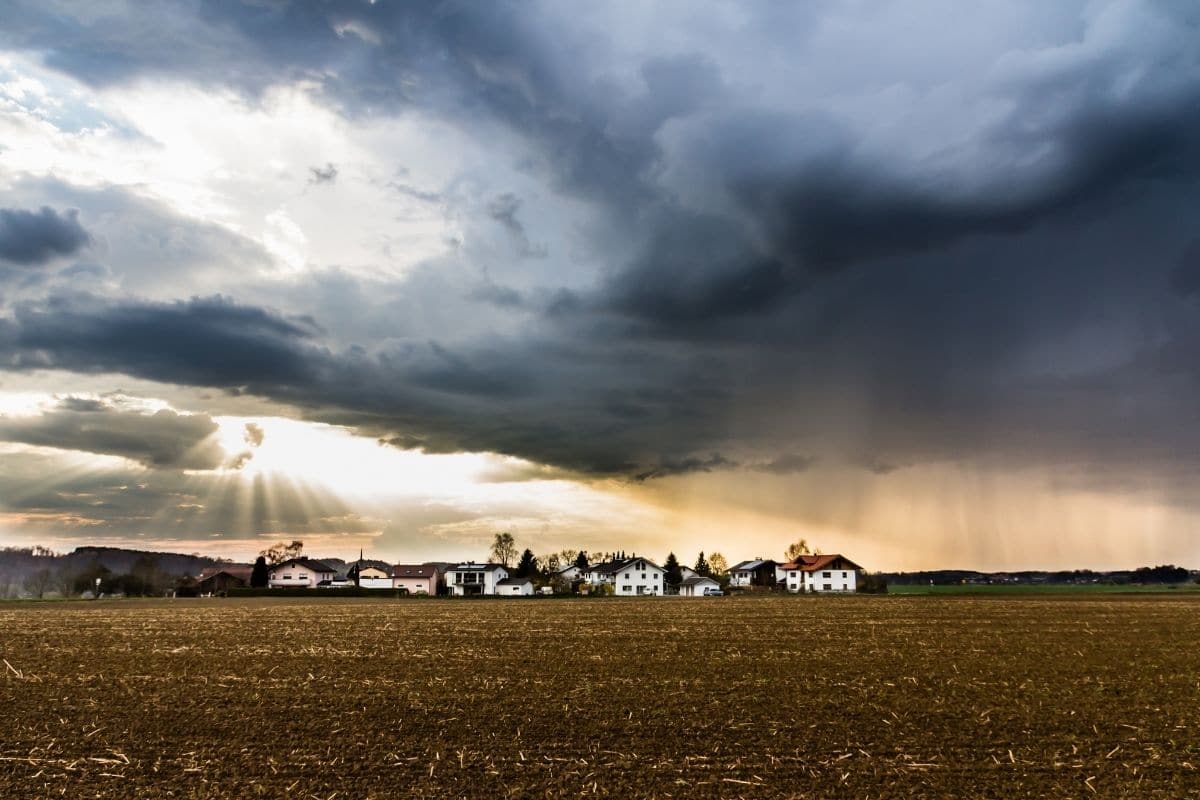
622 576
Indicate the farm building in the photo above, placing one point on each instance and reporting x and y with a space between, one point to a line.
301 572
415 578
514 587
696 585
821 573
755 573
473 579
220 579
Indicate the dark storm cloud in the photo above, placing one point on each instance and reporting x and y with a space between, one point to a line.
206 341
34 237
792 277
164 438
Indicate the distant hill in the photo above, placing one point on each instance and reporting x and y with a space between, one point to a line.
1167 573
18 563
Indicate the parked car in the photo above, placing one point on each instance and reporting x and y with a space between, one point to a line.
710 592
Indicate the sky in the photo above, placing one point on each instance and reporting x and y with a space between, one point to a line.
918 282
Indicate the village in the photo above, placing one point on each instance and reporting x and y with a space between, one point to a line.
613 574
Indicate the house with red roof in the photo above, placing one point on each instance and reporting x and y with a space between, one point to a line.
831 572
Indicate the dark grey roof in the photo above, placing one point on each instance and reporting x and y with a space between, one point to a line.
472 567
414 571
750 566
513 581
697 580
308 563
609 567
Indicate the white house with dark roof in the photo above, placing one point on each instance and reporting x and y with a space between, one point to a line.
301 572
821 573
474 579
629 577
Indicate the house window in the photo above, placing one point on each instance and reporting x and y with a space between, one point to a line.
828 587
791 574
826 574
844 575
287 577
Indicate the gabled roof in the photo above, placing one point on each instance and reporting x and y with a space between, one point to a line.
696 580
750 566
307 563
812 563
611 567
366 563
414 571
513 581
242 571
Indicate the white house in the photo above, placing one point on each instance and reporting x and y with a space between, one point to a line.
569 574
472 578
696 586
629 577
821 573
687 572
301 572
514 587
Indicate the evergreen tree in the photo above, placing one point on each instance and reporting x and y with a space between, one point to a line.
674 573
258 577
581 561
702 567
527 566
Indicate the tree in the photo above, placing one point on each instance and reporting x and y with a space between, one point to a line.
674 573
259 575
64 581
581 561
796 549
567 556
527 566
146 576
717 565
280 552
504 548
37 582
552 563
702 567
85 581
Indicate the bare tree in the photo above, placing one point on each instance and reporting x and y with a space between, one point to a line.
504 548
36 583
717 565
64 582
796 549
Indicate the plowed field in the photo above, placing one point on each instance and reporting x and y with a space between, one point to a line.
723 697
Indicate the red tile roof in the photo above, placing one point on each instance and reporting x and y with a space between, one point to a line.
812 563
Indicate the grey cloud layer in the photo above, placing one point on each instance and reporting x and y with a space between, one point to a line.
1004 267
34 237
160 439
